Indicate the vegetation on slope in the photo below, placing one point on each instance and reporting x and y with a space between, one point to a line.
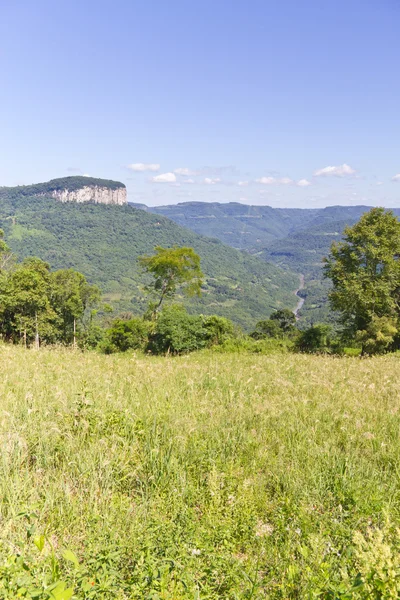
104 243
294 239
229 476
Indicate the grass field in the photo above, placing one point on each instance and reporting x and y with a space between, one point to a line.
200 477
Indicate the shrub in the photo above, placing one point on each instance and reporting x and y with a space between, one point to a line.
126 335
378 336
317 338
269 328
177 332
218 329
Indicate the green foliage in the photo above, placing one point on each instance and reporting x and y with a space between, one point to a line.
25 301
35 301
317 338
285 319
173 268
71 296
178 332
268 328
365 273
126 335
218 329
281 324
379 335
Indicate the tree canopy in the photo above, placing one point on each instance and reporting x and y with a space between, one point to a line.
365 272
173 268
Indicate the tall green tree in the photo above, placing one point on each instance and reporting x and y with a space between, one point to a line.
365 272
25 307
71 296
172 269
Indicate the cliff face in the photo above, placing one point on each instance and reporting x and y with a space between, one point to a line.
92 193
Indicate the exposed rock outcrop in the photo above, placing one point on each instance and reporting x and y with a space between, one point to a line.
92 193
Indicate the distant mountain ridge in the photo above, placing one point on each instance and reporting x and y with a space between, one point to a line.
249 227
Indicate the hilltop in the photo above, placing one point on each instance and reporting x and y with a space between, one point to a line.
72 189
104 241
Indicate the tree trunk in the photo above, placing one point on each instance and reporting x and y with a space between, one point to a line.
37 342
75 333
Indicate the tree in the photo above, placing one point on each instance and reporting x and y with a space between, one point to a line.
178 332
285 318
269 328
71 296
365 272
317 338
25 302
173 268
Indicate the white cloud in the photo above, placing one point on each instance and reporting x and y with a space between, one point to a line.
396 177
303 183
86 175
184 171
211 181
243 183
188 181
339 171
141 167
164 178
274 180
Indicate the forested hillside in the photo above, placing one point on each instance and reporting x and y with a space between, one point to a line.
104 242
294 239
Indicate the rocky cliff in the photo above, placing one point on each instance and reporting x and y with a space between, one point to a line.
73 189
92 193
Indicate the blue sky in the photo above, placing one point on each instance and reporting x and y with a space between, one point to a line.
283 103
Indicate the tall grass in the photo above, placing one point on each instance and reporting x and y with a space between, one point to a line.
207 476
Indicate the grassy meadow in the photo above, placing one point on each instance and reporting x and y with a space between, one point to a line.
198 477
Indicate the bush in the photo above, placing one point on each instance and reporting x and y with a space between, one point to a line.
269 328
126 335
379 335
218 329
178 332
247 344
317 338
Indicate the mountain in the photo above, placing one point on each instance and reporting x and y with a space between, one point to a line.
293 239
251 228
104 241
238 225
73 189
